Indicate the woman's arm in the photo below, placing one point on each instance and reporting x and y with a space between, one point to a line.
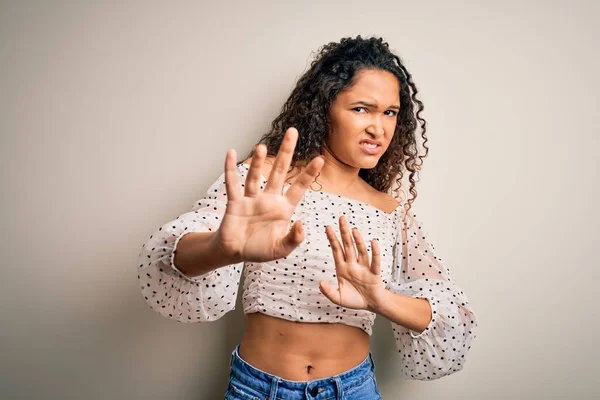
174 279
412 313
200 252
422 290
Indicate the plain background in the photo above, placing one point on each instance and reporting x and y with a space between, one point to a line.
116 116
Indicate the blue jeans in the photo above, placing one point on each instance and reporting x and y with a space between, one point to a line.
249 383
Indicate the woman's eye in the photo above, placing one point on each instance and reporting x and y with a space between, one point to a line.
359 108
392 113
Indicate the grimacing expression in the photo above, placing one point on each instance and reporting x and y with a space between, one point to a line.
363 118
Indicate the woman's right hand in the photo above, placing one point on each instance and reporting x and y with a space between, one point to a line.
256 224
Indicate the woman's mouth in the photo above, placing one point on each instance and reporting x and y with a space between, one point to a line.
370 148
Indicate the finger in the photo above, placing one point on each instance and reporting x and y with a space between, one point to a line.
361 247
254 173
376 260
293 238
232 186
330 292
282 162
336 247
295 192
347 239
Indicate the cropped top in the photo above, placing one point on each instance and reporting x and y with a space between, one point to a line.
288 288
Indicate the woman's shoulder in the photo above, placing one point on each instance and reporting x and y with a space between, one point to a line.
382 200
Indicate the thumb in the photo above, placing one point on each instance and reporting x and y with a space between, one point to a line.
293 238
329 291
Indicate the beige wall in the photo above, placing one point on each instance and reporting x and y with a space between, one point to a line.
115 118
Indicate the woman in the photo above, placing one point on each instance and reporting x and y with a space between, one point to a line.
322 246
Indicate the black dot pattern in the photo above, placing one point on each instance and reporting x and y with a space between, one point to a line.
288 288
441 349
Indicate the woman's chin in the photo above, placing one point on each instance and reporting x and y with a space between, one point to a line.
366 165
368 162
363 161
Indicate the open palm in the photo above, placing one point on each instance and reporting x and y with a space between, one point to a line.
359 281
256 224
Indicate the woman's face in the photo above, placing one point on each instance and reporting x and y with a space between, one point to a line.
363 118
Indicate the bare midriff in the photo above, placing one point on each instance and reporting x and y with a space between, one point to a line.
301 351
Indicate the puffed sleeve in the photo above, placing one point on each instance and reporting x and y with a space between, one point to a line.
168 291
441 349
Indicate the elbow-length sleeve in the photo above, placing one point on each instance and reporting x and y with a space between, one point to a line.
167 290
441 349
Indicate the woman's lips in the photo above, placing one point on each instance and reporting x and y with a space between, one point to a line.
369 148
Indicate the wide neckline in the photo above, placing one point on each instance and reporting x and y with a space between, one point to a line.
330 194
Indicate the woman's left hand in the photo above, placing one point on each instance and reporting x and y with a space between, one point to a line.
359 281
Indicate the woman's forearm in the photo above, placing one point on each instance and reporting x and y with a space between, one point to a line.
412 313
199 252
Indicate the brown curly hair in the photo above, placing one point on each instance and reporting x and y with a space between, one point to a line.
307 109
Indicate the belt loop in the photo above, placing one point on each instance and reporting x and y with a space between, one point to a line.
273 392
340 390
372 361
232 357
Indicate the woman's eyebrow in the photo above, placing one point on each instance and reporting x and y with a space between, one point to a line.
367 104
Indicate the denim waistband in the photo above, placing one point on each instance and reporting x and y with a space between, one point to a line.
276 387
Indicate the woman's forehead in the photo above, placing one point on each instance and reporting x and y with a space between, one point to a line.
373 86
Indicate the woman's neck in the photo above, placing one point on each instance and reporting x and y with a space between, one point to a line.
335 174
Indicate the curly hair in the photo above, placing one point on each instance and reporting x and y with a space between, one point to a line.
307 109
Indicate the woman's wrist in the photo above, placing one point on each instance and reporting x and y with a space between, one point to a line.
221 252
